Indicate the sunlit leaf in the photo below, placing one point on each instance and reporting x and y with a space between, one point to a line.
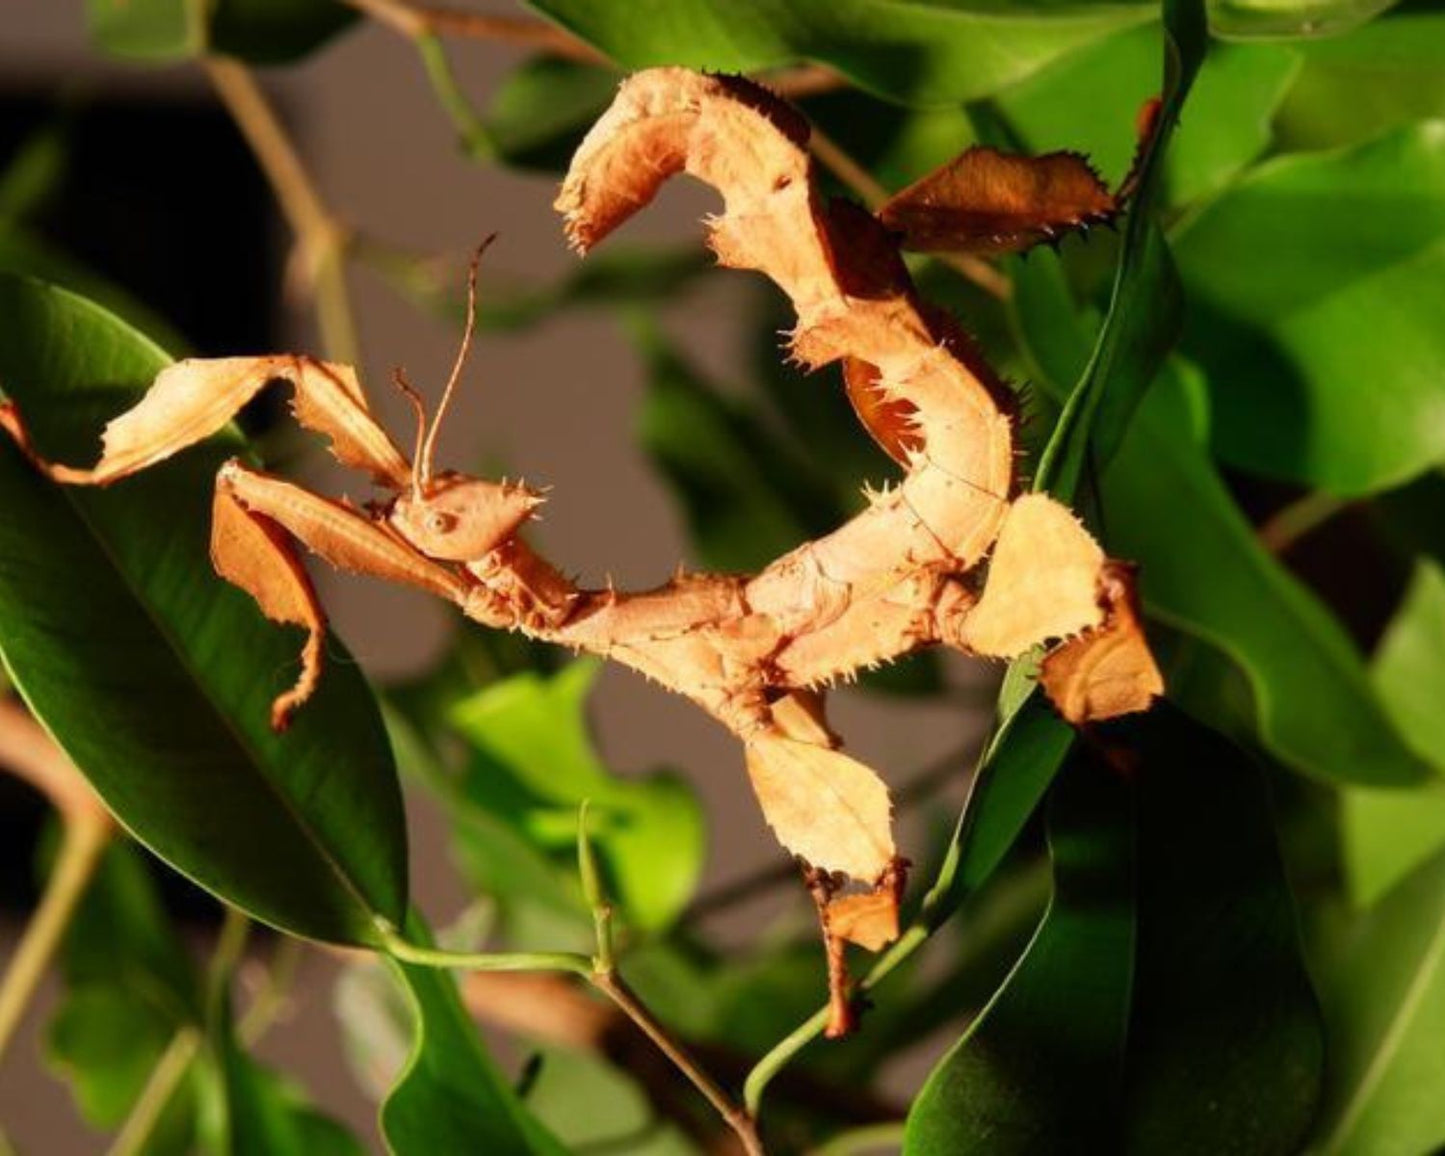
1379 77
1351 293
1387 834
533 764
915 53
1385 1004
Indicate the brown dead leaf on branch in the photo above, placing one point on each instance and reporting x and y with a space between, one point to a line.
756 652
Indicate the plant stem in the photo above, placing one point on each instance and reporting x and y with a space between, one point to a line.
740 1120
568 961
165 1077
610 984
321 241
475 136
416 20
866 187
272 998
84 842
1299 519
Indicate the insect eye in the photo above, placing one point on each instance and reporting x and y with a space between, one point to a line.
440 522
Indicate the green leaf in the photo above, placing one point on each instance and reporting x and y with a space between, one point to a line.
1354 87
592 1105
1205 572
263 1114
543 107
912 52
1295 654
1387 834
1290 19
261 31
1385 1006
1149 922
1226 1043
155 676
452 1097
1038 1070
129 989
1090 101
534 764
1145 309
1351 293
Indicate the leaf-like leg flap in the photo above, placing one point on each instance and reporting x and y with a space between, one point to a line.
253 552
823 806
1043 581
1108 671
339 534
194 399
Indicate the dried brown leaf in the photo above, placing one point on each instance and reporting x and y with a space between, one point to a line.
1109 670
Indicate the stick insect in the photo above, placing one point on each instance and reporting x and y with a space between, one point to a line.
948 555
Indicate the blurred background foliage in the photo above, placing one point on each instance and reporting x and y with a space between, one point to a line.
1241 948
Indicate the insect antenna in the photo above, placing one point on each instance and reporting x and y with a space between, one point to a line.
408 391
428 449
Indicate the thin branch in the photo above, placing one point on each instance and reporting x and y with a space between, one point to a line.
415 20
737 1118
321 240
165 1078
31 754
865 186
609 984
1298 520
85 840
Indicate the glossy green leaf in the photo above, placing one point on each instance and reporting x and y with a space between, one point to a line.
451 1096
1387 834
913 52
533 765
1168 509
1090 103
1351 293
1354 87
262 31
155 676
1314 703
1226 1042
1385 1005
1038 1070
